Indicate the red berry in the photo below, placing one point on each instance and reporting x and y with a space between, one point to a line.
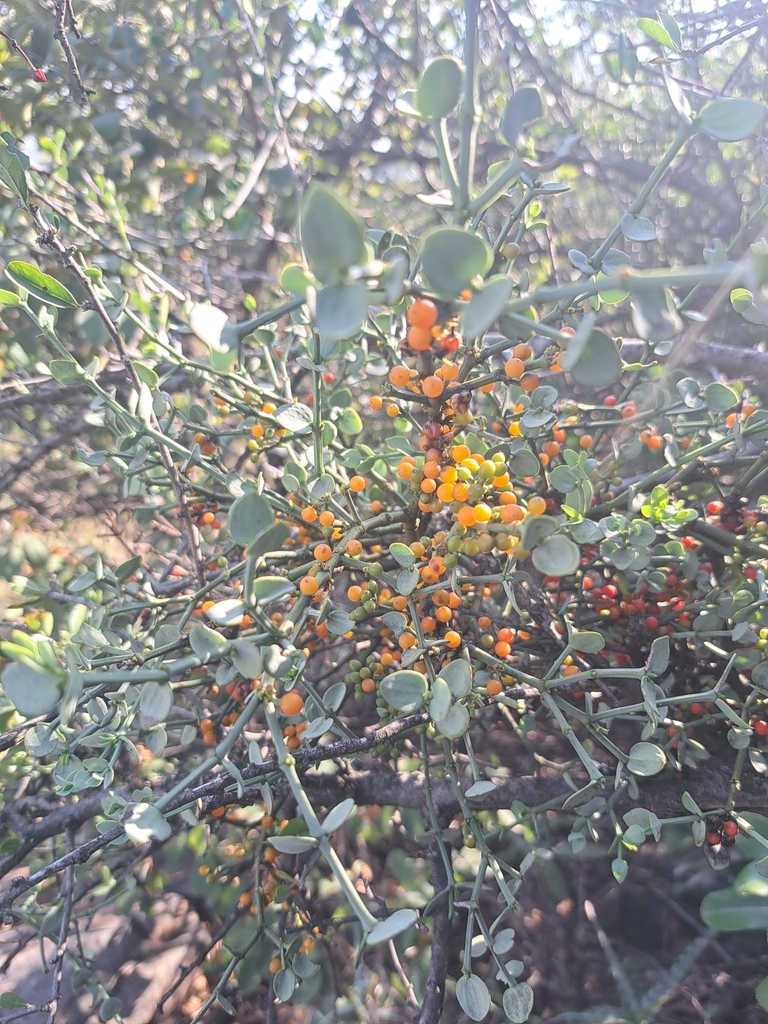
714 507
730 828
610 400
713 838
750 573
651 622
761 727
39 75
696 709
329 377
610 591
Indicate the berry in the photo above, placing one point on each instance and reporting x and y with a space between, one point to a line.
422 313
322 552
761 727
730 828
309 585
713 838
291 703
432 387
357 484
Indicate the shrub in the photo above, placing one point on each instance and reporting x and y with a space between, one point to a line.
427 510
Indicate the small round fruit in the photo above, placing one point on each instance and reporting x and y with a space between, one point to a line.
291 703
730 828
422 313
309 585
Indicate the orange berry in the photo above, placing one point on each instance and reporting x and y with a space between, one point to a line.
309 585
353 548
460 452
208 448
358 484
586 441
629 410
375 402
748 409
368 685
537 506
419 339
322 552
466 516
399 376
432 387
406 640
502 649
529 382
443 614
428 624
327 518
392 410
291 703
355 593
452 638
505 634
465 294
493 687
422 313
551 448
655 441
399 603
523 352
449 371
484 622
275 965
428 486
488 388
571 670
309 515
514 368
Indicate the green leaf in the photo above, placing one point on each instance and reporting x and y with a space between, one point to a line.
563 479
9 298
295 418
11 1001
349 422
405 690
731 911
396 923
535 529
485 306
12 173
440 701
402 554
293 844
599 363
341 310
270 540
156 701
295 279
66 372
452 258
205 641
523 107
283 984
41 740
439 88
654 315
249 517
110 1008
619 869
406 581
40 285
556 556
270 588
336 817
657 32
246 657
332 233
339 622
517 1002
586 642
473 996
719 397
455 723
646 759
458 675
730 120
658 659
32 691
146 822
637 229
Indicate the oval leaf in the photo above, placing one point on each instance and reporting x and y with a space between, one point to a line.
646 759
295 417
293 844
396 923
486 306
440 701
439 88
156 701
599 363
731 911
40 285
518 1002
248 517
556 556
31 691
523 107
336 818
341 310
405 690
587 643
451 258
473 997
270 588
458 675
227 613
455 723
730 120
332 233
